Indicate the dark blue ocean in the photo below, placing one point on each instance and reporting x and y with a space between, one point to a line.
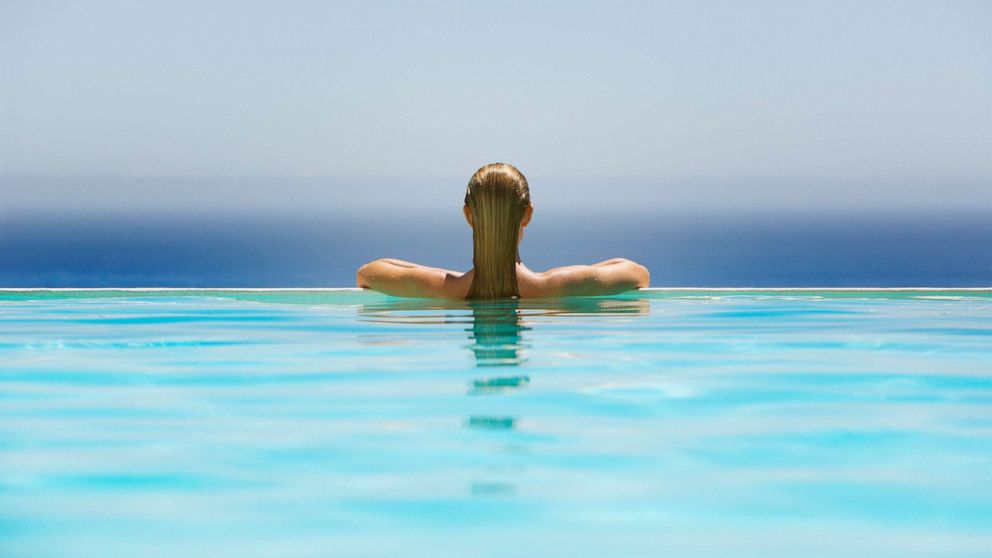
839 249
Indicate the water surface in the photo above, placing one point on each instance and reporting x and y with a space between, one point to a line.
341 423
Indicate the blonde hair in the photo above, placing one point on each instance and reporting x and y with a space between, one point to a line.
497 197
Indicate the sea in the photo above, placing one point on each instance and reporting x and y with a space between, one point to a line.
324 248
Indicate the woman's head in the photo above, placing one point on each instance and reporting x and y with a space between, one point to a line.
497 206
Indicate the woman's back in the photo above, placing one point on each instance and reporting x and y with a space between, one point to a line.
400 278
498 208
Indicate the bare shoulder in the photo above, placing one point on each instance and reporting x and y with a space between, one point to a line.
402 278
408 279
607 277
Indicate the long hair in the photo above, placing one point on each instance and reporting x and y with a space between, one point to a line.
497 197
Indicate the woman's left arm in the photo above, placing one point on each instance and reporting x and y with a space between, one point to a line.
400 278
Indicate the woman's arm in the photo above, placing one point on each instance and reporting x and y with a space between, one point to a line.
604 278
400 278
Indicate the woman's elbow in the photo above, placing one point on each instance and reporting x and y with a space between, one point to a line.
639 274
365 274
645 277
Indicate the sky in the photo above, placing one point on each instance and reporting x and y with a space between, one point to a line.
376 106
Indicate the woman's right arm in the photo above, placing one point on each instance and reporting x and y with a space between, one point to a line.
604 278
400 278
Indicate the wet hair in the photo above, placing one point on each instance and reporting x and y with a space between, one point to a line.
497 196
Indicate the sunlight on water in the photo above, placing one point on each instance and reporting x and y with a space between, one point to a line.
341 423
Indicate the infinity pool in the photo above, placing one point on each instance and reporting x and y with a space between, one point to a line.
342 423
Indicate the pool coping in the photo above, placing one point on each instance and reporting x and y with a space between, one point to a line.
355 289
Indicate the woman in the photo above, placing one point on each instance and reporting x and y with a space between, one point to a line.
497 207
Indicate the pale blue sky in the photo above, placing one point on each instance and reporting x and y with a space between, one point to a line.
736 103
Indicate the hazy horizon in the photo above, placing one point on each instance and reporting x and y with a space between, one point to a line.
25 194
722 105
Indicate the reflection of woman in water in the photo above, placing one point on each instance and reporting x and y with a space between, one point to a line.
497 207
496 333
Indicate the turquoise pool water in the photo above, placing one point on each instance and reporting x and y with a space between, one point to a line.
341 423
